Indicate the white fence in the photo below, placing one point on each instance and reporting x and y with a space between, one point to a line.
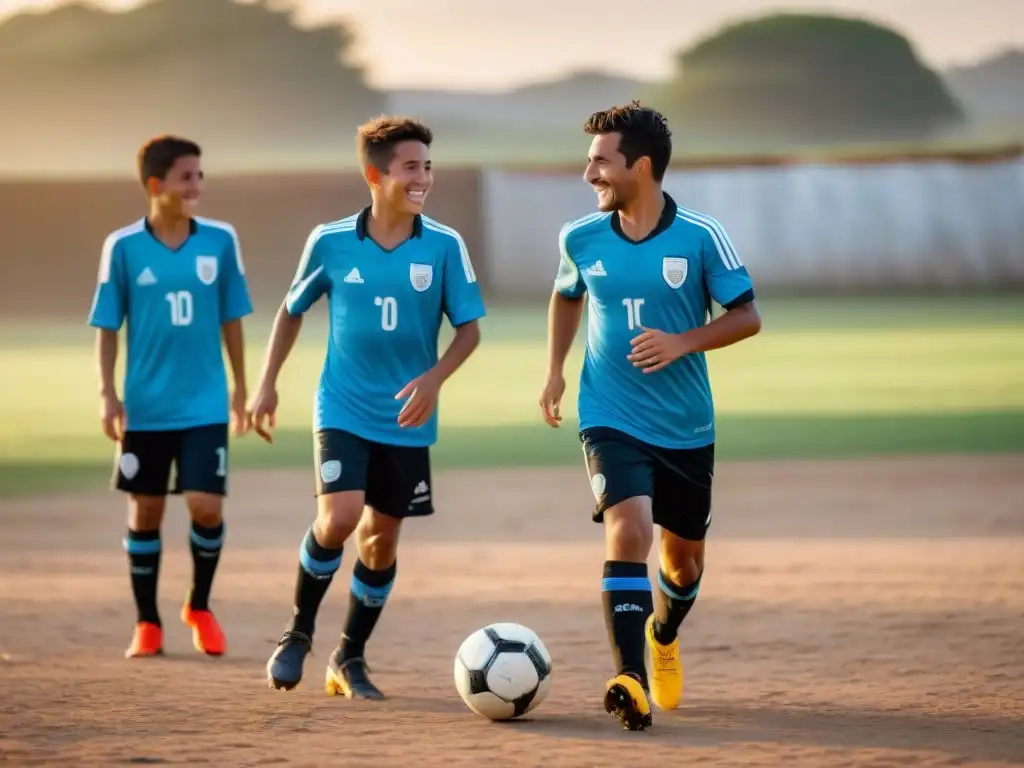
917 223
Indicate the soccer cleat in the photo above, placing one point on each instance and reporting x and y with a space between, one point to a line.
350 678
665 670
147 640
207 636
284 670
626 698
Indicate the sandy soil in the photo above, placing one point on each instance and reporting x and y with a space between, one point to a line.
856 613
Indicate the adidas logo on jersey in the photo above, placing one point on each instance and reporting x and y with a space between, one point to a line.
596 269
146 278
354 276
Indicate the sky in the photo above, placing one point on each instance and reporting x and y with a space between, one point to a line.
496 44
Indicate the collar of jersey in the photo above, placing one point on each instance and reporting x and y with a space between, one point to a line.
193 227
668 216
362 233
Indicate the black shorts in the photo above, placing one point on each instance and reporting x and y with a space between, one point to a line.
199 456
395 478
678 481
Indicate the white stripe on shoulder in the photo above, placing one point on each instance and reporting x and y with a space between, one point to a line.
111 241
321 230
575 224
726 250
343 222
444 229
226 227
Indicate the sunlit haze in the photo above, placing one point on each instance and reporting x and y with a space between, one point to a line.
470 44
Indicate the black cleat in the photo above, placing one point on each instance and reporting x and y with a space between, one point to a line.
349 678
284 670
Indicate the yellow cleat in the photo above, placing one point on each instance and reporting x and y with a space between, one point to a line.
665 670
626 698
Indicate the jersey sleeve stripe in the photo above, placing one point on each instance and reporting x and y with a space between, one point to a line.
344 225
467 264
107 253
574 225
726 251
299 287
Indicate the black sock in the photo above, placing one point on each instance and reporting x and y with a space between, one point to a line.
672 604
143 548
627 604
205 544
370 590
317 566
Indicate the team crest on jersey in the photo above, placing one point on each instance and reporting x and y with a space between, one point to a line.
421 276
673 269
206 269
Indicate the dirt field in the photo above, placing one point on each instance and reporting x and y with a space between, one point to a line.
867 613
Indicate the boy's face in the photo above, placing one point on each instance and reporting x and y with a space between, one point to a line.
409 177
181 189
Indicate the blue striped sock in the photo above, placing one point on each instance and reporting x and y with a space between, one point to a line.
626 593
205 543
672 604
369 593
143 550
317 566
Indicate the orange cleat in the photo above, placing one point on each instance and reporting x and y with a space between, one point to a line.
147 640
207 636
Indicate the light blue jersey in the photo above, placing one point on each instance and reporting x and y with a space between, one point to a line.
663 282
174 303
385 310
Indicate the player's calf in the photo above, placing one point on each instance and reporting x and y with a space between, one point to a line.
320 557
206 539
143 547
682 565
678 584
373 577
625 587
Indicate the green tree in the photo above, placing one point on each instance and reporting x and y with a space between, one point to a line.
791 78
241 78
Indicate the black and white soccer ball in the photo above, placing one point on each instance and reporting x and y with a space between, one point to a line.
503 671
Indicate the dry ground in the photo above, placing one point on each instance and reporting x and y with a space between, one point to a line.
858 613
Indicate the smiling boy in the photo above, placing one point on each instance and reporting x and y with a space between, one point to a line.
390 274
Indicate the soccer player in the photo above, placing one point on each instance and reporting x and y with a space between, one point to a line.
390 274
178 282
650 269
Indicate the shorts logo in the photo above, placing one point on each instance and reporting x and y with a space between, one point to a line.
674 269
597 485
129 466
206 269
421 276
330 471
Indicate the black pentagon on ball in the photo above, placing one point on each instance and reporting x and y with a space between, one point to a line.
477 681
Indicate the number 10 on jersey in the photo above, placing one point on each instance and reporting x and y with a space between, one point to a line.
633 312
388 312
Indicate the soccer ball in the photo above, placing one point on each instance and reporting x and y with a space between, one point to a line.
502 671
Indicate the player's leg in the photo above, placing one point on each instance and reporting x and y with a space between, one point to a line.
682 507
342 460
202 478
398 486
621 477
142 471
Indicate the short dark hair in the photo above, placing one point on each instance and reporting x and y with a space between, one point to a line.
376 139
159 154
644 132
